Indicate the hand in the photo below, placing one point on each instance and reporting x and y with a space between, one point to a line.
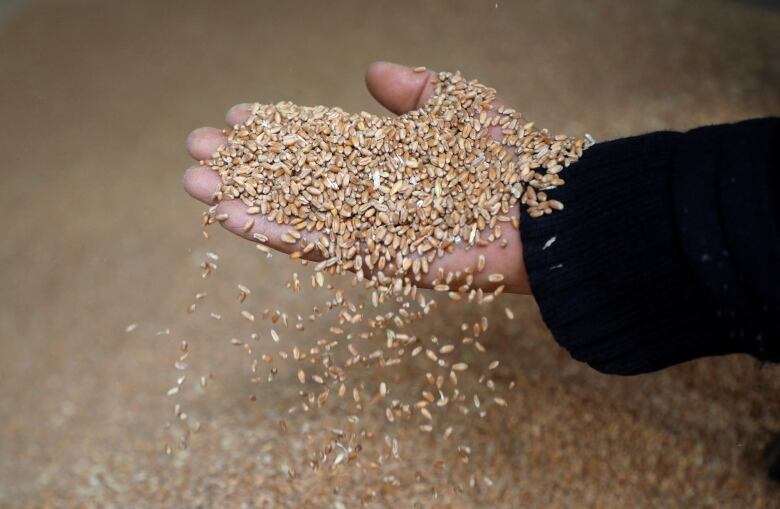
400 89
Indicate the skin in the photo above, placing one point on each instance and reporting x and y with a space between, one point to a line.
399 89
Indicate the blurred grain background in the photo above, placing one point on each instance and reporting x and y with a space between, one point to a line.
96 99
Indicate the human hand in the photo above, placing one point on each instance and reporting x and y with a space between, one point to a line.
400 89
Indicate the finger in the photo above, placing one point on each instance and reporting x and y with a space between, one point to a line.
238 114
397 87
201 182
250 226
204 141
400 89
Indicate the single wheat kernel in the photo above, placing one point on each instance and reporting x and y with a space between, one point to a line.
495 278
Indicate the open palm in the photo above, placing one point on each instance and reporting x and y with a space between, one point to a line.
400 89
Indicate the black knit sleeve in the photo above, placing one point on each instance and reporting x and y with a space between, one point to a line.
668 249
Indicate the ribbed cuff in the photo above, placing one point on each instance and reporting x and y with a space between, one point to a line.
729 220
614 287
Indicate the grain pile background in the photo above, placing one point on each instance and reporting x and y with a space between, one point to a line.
95 101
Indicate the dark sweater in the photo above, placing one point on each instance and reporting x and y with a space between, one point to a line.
668 249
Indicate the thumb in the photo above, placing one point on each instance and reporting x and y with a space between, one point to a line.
397 87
